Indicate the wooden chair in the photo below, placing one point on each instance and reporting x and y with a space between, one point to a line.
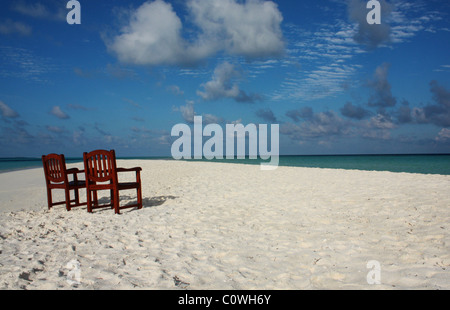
57 177
102 174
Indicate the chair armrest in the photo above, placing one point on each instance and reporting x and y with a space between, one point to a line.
74 170
129 169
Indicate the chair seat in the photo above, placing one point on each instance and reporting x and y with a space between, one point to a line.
71 184
77 184
128 185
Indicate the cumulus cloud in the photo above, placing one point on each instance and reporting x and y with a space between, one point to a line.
56 111
443 135
154 34
440 94
382 96
369 35
267 115
323 124
175 89
223 85
380 121
439 113
188 113
303 113
250 28
356 112
404 113
6 111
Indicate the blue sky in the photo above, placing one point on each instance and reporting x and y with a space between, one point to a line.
132 70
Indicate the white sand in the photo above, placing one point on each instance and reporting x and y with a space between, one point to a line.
224 226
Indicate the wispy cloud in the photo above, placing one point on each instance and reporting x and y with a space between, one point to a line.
6 111
319 62
56 11
56 111
8 27
24 64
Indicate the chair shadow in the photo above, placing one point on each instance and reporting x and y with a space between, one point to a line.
146 202
156 201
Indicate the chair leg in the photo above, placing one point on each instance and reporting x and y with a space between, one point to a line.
92 200
116 202
89 201
95 198
77 197
67 192
113 205
49 198
139 197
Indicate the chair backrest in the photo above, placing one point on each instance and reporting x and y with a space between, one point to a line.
54 168
100 166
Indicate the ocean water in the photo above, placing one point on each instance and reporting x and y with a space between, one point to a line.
20 163
426 164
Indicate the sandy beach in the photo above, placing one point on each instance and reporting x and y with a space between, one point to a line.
226 226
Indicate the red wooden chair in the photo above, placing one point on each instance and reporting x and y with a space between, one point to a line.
57 177
102 174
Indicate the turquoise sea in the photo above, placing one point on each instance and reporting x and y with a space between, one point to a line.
427 164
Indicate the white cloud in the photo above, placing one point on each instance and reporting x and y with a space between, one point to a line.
175 89
444 135
11 27
321 61
380 122
24 64
188 114
56 111
251 29
223 85
6 111
154 35
38 10
323 124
